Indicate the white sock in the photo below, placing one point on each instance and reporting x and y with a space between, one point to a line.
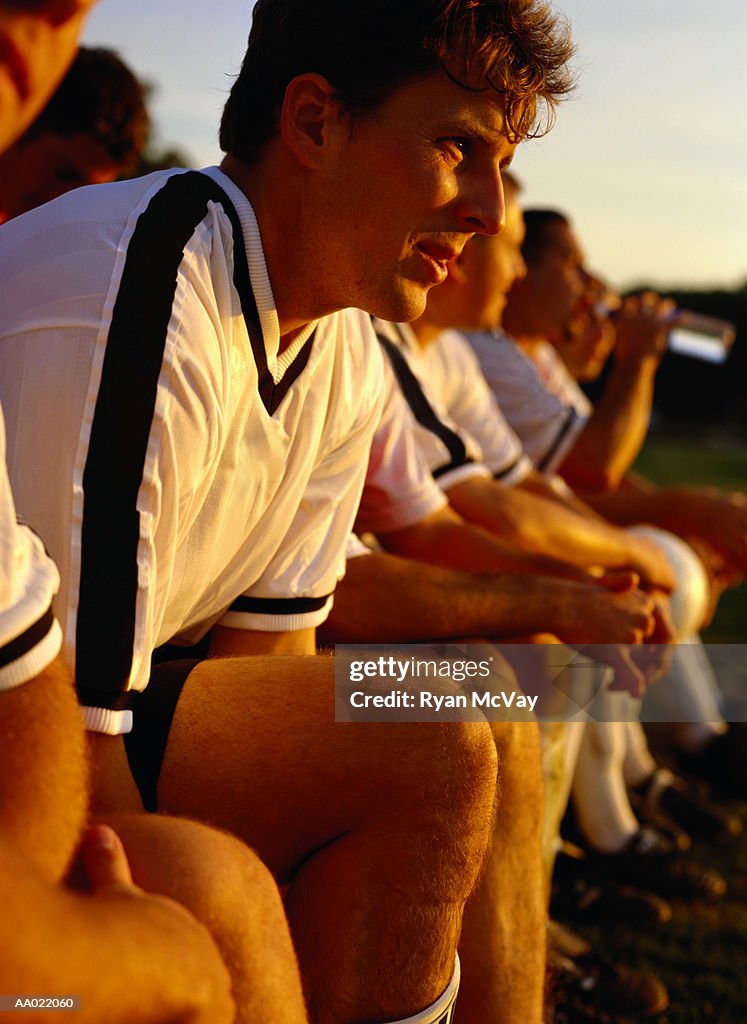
561 742
600 797
638 764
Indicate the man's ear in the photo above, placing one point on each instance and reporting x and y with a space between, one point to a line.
310 117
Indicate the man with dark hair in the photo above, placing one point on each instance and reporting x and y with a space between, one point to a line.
212 398
93 130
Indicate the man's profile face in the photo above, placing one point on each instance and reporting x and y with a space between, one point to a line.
558 278
413 181
554 283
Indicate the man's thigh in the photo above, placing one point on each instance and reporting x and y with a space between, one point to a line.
254 748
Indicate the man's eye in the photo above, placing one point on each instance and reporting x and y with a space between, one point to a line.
456 147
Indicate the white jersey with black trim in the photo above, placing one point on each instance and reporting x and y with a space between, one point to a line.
546 424
181 469
399 490
451 453
557 378
30 637
453 374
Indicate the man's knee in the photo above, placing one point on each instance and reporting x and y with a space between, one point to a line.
450 797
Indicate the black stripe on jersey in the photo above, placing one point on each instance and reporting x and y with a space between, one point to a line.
122 423
119 435
21 645
279 605
568 422
422 409
501 474
449 466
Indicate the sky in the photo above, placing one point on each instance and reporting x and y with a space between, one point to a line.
649 157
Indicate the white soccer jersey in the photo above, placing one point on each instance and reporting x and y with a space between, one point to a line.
547 425
399 490
451 453
557 378
453 373
30 637
182 471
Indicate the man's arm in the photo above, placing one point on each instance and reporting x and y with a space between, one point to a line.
716 517
537 525
612 438
133 958
384 598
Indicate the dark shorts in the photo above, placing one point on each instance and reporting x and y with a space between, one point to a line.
152 714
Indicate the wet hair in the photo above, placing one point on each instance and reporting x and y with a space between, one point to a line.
536 225
367 49
103 99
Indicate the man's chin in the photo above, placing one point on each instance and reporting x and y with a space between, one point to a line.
404 306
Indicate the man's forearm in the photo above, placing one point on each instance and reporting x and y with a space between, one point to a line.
611 440
539 525
387 599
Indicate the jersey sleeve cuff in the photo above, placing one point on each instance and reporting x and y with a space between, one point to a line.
277 615
451 476
515 473
104 720
33 661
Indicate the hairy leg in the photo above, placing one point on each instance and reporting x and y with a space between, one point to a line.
379 831
503 939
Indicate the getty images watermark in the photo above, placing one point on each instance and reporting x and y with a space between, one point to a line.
519 682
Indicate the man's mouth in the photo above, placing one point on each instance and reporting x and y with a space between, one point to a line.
437 257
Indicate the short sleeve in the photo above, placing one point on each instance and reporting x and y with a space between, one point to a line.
546 425
399 489
30 637
455 372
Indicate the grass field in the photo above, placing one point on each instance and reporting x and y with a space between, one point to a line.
702 953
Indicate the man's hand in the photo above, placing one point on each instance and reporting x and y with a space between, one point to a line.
720 519
615 611
643 324
651 564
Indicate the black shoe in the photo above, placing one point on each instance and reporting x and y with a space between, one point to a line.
650 861
722 763
683 802
590 988
580 900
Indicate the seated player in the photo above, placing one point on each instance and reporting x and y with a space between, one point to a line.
92 130
212 411
713 523
167 963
